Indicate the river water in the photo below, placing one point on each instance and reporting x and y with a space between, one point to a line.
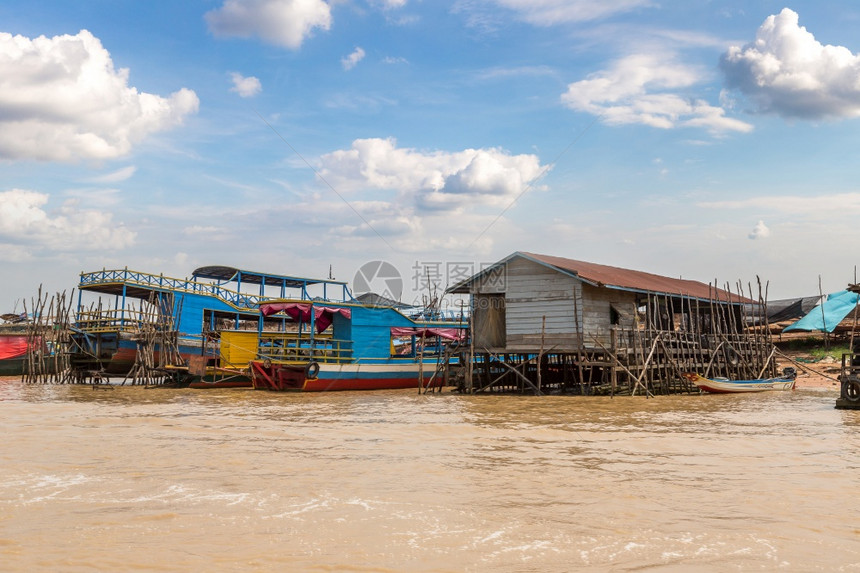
243 480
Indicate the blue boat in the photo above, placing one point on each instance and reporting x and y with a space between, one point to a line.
324 346
213 318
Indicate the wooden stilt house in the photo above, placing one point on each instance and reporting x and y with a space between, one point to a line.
603 325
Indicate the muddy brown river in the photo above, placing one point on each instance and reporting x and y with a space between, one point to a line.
242 480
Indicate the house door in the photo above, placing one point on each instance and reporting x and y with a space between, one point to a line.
490 321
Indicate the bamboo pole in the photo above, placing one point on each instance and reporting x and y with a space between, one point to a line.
540 354
823 318
854 322
519 374
580 342
470 369
620 365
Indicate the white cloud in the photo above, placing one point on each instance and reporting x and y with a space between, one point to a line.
432 180
408 199
23 220
101 197
641 88
284 23
519 71
61 99
117 176
552 12
351 60
21 210
325 219
14 253
245 87
205 231
760 231
786 71
388 4
359 101
180 259
827 205
387 224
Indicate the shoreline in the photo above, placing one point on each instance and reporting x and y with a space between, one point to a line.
817 375
815 381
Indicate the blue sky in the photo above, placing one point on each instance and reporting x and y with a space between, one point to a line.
713 140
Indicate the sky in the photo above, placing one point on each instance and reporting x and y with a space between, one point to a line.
708 140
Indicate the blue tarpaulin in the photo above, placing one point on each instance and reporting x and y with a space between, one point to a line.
827 315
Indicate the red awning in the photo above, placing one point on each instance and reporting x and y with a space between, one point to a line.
12 347
446 333
301 312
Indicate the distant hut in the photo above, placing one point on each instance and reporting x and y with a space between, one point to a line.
588 315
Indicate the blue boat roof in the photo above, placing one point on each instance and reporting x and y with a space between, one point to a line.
233 274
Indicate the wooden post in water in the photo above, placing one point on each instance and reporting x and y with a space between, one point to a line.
540 354
420 363
613 348
471 358
854 323
47 339
823 318
580 343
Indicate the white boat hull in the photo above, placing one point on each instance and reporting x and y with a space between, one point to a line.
726 386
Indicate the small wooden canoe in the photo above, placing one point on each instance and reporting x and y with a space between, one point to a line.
727 386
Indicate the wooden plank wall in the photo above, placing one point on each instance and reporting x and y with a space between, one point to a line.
533 291
597 306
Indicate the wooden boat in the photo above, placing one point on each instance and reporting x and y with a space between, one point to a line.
197 374
727 386
212 317
214 377
13 351
349 346
243 382
16 345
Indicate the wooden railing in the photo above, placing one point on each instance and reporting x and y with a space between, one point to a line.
291 347
110 320
161 282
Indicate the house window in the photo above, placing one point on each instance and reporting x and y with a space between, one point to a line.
614 316
620 314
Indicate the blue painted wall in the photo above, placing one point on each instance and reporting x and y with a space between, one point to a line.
371 330
192 310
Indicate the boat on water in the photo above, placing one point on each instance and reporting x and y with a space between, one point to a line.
727 386
324 346
207 324
18 343
13 349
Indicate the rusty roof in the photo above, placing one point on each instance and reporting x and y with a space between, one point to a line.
618 278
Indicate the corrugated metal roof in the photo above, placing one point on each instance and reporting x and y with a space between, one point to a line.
618 278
